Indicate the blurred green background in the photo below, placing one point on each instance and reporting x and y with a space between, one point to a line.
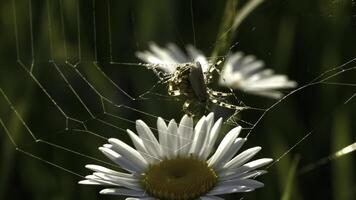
300 38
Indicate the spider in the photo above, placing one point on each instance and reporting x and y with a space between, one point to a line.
189 81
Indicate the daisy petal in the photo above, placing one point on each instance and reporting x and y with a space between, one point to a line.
268 93
209 121
109 146
213 135
221 174
229 189
142 198
211 198
125 182
199 137
150 141
185 132
172 139
162 54
129 153
105 170
124 192
242 158
248 175
120 160
246 73
197 56
93 179
235 172
140 146
224 146
89 182
231 151
162 134
242 182
178 54
92 182
148 57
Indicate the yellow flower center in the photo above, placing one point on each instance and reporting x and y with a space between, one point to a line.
179 179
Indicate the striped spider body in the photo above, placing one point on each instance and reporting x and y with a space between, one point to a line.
189 81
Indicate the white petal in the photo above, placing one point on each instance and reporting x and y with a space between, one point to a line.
185 132
179 55
125 182
267 93
247 74
258 163
209 121
102 181
94 180
128 153
231 151
163 54
251 68
197 56
165 58
172 139
248 59
211 198
229 189
199 137
123 192
242 182
273 82
162 133
242 158
247 175
213 135
236 172
140 146
90 182
120 160
109 146
148 57
98 168
109 177
234 61
141 198
150 141
224 146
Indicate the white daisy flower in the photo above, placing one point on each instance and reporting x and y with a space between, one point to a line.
172 55
246 73
242 72
180 164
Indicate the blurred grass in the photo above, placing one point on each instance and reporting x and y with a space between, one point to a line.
299 38
343 172
289 190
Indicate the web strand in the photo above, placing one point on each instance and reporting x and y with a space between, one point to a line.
83 125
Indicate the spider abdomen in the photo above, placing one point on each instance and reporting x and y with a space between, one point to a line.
197 82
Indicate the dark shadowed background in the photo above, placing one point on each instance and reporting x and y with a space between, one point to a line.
74 39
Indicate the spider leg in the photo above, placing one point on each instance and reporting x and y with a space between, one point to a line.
227 105
186 105
162 76
233 119
218 94
186 108
174 93
212 67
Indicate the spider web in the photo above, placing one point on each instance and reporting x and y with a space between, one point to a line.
86 96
